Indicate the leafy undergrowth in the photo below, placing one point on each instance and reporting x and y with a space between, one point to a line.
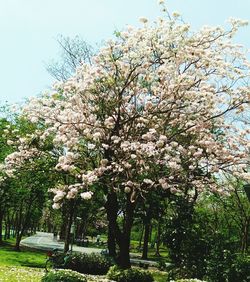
20 274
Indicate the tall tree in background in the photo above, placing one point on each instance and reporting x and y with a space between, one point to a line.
73 53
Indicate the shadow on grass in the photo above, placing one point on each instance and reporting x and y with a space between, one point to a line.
26 257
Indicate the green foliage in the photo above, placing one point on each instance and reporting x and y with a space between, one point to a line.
203 241
240 269
227 267
129 275
189 280
159 276
161 265
219 263
63 275
180 234
88 263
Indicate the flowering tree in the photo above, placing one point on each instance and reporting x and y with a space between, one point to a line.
23 190
152 111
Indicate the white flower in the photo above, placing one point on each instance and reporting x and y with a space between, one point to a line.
56 206
105 146
59 196
104 162
148 181
127 189
96 135
86 195
10 142
91 146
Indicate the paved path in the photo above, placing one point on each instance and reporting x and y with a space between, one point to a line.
46 241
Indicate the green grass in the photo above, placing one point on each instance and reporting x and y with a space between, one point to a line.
27 257
28 265
24 266
134 249
20 274
159 276
151 253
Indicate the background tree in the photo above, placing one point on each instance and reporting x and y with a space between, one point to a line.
74 52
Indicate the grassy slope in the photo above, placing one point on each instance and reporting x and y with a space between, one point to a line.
159 276
24 266
27 257
20 274
28 265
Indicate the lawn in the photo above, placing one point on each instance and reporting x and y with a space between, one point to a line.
28 265
159 276
20 274
24 266
27 257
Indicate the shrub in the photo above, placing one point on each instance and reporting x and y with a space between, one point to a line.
190 280
129 275
63 275
228 267
240 269
88 263
219 263
163 266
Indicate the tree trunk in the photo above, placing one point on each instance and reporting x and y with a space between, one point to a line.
141 237
63 227
20 234
49 226
8 221
150 232
145 241
123 260
18 240
1 227
158 242
62 233
244 237
124 242
18 228
5 229
122 238
111 207
68 235
147 232
111 242
23 222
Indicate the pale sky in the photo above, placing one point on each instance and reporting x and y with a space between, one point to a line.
29 29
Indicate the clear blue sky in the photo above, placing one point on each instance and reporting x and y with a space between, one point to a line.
28 29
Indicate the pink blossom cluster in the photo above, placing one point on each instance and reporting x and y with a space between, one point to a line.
154 110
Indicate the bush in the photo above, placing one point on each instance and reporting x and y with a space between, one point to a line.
129 275
63 275
228 267
213 256
240 269
190 280
88 263
185 228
